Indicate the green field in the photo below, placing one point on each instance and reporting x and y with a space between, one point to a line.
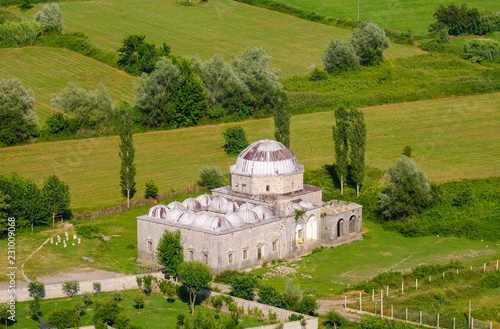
451 138
48 71
219 26
392 14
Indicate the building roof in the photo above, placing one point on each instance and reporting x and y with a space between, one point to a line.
266 158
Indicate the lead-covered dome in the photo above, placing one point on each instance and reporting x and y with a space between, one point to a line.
266 158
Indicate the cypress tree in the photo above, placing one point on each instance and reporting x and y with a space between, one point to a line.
340 137
357 139
282 120
127 153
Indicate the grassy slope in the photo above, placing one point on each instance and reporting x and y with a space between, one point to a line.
220 26
48 71
393 14
451 138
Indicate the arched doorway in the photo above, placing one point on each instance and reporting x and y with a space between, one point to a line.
352 224
340 228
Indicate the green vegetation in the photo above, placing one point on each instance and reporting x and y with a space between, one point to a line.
127 153
236 140
170 252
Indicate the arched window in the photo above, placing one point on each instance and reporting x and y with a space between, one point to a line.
352 224
299 234
340 228
268 188
312 229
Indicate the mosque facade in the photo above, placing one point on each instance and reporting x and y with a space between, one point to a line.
266 213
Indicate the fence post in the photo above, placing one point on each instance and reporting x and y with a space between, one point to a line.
443 275
406 314
387 291
484 267
438 321
416 284
471 323
420 317
471 268
457 270
402 287
453 322
360 302
392 311
373 295
382 303
345 301
468 321
375 308
430 278
491 324
496 266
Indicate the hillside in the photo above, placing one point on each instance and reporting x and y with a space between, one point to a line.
48 71
451 138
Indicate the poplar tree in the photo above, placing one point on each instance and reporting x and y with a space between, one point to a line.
282 121
127 153
340 137
357 139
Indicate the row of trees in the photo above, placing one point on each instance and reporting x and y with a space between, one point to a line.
349 136
456 20
31 206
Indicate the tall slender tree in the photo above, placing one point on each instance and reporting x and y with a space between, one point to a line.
357 145
282 120
127 152
340 137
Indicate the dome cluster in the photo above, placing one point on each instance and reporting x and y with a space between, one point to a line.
212 213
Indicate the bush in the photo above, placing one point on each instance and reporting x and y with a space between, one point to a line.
211 177
369 42
482 50
226 276
18 34
151 191
462 20
317 75
50 18
334 319
64 318
339 57
236 140
59 124
243 285
36 289
71 288
139 302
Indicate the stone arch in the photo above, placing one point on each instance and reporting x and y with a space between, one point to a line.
312 228
352 224
299 233
340 228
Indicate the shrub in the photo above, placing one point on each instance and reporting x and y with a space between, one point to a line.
482 50
50 18
64 318
71 288
117 295
242 286
462 20
97 287
369 42
87 298
59 124
211 177
339 57
18 34
334 319
151 190
317 75
236 140
36 289
139 302
226 276
407 151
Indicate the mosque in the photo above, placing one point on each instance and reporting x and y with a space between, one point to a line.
266 213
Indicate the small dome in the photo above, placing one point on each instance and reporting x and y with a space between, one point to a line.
187 218
173 214
246 205
158 211
217 204
264 212
266 158
231 206
192 204
176 204
248 216
204 200
305 204
200 219
216 223
235 219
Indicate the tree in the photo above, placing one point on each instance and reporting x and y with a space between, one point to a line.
170 253
357 145
236 140
34 308
211 177
50 18
282 120
127 153
369 42
139 302
338 57
243 285
148 284
341 141
71 288
292 295
96 286
36 289
4 214
4 314
334 319
269 295
90 109
137 56
168 289
156 94
17 116
460 20
106 311
407 190
151 191
195 276
308 305
57 197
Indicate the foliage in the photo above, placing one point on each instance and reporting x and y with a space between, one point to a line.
369 42
4 206
236 140
151 191
64 318
341 142
407 190
71 288
317 75
34 309
87 298
36 289
106 311
17 115
282 118
117 295
127 153
96 286
307 305
138 56
269 295
339 57
168 288
379 323
478 51
170 253
148 284
292 295
56 196
462 20
194 276
4 313
211 177
357 146
59 124
492 280
334 319
243 285
90 109
18 34
407 151
139 302
404 38
50 18
226 276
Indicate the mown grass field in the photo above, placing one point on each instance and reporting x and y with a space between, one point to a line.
451 138
219 26
48 70
392 14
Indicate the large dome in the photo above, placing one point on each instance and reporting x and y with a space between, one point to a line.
266 158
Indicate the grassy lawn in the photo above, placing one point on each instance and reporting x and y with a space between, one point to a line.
451 138
221 26
329 271
48 71
393 14
157 312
